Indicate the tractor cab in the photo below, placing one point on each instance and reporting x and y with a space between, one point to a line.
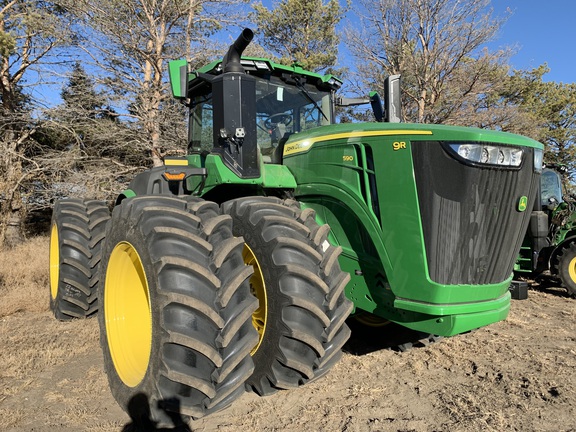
551 189
550 242
246 108
285 102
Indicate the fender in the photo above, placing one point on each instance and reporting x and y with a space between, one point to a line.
163 180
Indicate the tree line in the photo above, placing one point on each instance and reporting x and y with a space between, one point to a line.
116 115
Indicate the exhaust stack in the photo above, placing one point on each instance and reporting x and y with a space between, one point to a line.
231 61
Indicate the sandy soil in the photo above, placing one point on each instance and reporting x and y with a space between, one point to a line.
517 375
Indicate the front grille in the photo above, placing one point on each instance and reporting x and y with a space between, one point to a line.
472 228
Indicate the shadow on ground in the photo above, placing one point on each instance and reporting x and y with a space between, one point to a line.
366 339
139 412
549 285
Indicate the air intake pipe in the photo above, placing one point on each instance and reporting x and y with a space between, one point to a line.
231 61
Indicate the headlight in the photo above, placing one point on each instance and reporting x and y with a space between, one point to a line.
489 154
538 154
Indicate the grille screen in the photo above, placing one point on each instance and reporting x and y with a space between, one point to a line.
472 229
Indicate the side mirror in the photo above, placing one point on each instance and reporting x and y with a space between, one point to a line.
392 112
178 73
376 104
393 100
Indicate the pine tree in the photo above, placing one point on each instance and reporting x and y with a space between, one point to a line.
301 31
31 32
80 94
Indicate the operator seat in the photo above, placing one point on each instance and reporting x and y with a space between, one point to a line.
279 149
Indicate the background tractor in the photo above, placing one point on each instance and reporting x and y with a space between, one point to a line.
218 271
550 242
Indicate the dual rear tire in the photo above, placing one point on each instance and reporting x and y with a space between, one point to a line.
198 302
76 237
176 319
300 287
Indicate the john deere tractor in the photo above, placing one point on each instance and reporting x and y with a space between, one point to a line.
550 242
238 265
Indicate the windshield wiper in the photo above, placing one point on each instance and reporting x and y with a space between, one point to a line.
310 98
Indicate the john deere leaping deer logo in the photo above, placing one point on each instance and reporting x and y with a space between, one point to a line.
522 203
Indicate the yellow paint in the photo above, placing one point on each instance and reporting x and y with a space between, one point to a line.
298 147
127 314
54 262
305 144
258 288
399 145
176 162
572 269
523 203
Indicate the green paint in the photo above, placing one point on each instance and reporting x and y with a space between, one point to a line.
522 203
272 176
386 256
128 193
177 80
276 67
360 179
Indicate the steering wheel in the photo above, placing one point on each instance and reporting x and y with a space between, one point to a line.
275 119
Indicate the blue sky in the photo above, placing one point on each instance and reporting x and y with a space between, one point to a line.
541 32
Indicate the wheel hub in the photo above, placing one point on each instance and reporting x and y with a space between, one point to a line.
258 288
54 262
572 269
127 314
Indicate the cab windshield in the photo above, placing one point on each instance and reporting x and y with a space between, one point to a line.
551 185
282 109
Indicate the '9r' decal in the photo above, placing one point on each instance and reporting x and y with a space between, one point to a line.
398 145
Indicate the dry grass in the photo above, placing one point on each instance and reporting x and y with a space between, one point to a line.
33 342
24 277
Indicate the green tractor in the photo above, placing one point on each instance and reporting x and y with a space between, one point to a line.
237 266
550 242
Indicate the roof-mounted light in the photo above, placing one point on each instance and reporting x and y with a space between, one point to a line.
333 82
261 65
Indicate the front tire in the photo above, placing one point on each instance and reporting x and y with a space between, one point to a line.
175 324
300 288
77 231
567 268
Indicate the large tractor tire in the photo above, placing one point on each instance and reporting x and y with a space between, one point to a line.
566 268
175 322
76 236
300 288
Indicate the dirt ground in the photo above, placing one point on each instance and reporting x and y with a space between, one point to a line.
516 375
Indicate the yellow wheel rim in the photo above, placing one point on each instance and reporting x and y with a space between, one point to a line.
54 262
258 288
371 320
572 269
127 314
